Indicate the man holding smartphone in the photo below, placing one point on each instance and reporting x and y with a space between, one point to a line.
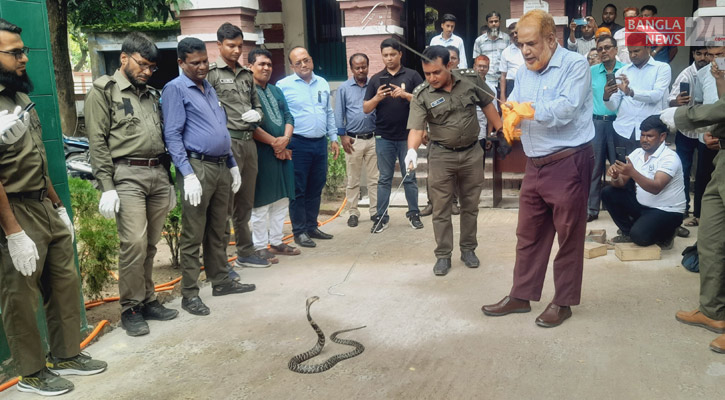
602 75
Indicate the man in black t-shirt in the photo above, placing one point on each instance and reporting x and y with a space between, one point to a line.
389 93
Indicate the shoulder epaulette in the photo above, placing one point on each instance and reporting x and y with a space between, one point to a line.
212 66
466 72
420 87
103 82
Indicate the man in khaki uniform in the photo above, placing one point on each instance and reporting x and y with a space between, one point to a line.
447 103
36 241
123 122
234 85
710 244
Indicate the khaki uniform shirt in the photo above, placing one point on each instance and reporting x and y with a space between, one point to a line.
127 124
698 116
451 116
23 164
235 90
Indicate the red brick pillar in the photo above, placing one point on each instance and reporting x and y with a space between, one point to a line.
362 37
202 18
556 9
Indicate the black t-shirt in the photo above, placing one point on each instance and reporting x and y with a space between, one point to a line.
391 115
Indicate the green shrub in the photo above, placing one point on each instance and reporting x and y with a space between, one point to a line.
172 227
336 173
96 237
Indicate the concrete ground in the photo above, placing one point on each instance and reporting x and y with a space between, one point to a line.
426 337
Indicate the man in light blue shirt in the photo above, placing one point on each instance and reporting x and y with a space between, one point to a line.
308 97
447 38
641 90
555 93
357 133
604 133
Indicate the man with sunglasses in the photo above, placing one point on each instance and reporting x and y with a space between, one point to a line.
128 156
604 133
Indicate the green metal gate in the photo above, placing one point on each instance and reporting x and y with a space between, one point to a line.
32 17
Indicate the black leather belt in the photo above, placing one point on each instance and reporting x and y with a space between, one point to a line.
206 158
138 162
362 136
39 195
456 149
559 155
605 117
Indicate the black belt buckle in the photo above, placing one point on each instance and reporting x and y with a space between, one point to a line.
43 193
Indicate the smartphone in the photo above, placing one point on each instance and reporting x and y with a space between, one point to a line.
685 87
611 80
621 154
720 61
580 21
385 81
26 110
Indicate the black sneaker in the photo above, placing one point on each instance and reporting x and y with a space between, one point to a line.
44 383
232 288
352 221
194 306
414 220
469 258
155 311
82 364
619 239
379 224
252 261
442 266
133 322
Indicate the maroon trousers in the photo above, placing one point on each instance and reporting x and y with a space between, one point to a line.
553 200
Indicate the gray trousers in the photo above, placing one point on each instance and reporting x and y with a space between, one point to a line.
204 224
145 195
242 202
55 282
603 145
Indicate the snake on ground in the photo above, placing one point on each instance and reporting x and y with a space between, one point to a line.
295 364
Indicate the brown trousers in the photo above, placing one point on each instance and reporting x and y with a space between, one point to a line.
553 200
242 202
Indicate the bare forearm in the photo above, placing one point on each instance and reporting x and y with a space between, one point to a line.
7 219
415 138
262 136
370 105
52 195
647 184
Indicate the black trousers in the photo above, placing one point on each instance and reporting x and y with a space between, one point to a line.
645 225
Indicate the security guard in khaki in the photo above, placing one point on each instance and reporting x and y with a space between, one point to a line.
129 160
234 86
454 154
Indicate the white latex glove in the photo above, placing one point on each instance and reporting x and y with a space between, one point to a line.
23 253
192 189
63 214
13 128
251 116
236 179
109 204
667 116
411 160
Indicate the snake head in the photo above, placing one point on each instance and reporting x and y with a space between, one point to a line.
311 300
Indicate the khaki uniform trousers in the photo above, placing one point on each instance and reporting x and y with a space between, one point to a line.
711 244
364 156
242 202
55 280
204 225
145 195
447 170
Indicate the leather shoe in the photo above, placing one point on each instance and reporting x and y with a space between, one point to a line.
469 258
506 306
304 240
194 306
553 316
683 232
427 210
352 221
318 234
442 266
592 217
718 345
696 318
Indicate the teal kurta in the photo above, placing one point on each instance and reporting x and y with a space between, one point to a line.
275 179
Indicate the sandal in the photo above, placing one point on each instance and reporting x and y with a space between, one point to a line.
693 222
284 249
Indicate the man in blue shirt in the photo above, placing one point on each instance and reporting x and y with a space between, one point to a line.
357 134
195 130
308 97
604 133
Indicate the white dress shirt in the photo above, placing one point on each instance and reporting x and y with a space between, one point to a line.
651 85
688 75
511 60
672 196
452 41
622 52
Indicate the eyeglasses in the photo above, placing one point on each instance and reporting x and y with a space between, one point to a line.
605 48
19 53
145 66
301 62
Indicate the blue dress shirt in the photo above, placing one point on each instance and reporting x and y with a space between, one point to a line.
562 97
349 115
194 121
310 106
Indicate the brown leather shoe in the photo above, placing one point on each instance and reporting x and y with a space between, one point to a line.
718 345
553 316
506 306
696 318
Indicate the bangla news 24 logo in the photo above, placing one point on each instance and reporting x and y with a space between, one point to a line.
674 31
